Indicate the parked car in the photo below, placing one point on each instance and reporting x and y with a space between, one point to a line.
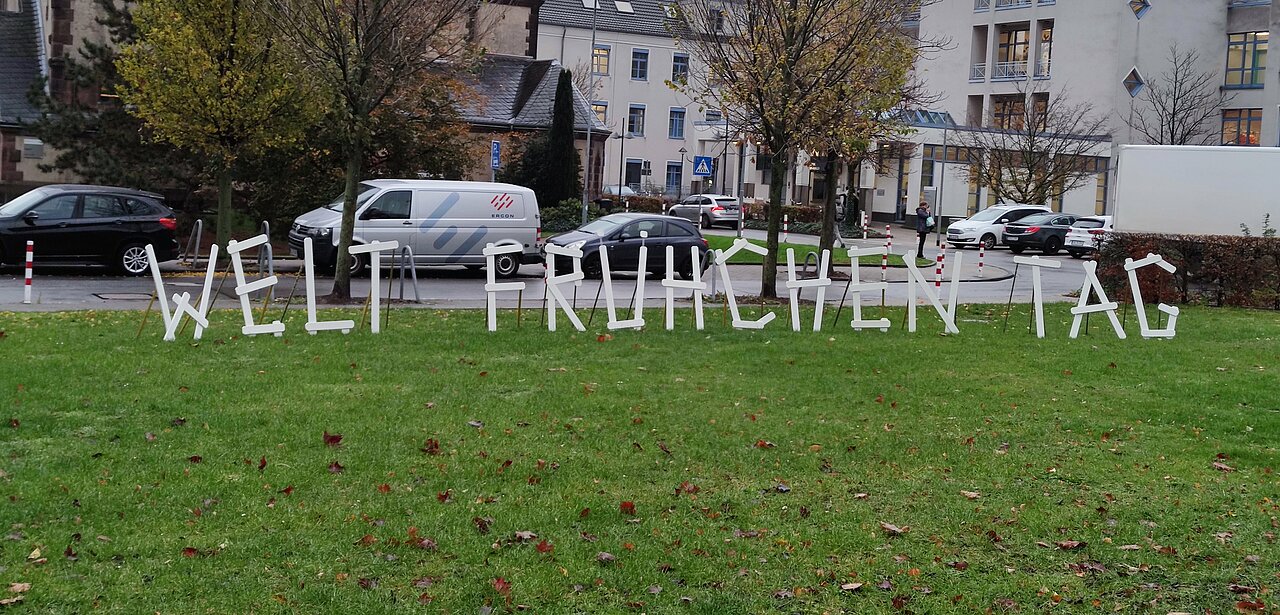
707 210
620 235
443 222
1087 235
77 223
1046 232
616 190
987 226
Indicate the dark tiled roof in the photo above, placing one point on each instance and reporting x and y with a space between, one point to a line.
519 92
648 17
19 63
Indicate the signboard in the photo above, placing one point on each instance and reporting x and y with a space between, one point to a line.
495 154
702 166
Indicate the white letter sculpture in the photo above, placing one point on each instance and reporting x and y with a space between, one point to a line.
244 289
1132 267
857 288
554 281
696 285
794 285
606 278
375 250
916 278
492 286
722 263
1037 295
1092 285
313 325
182 302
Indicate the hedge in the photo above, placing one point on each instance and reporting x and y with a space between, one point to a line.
1222 270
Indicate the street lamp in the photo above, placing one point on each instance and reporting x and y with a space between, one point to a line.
680 180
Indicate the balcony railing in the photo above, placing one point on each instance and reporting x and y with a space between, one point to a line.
978 72
981 5
1012 4
1009 70
1042 69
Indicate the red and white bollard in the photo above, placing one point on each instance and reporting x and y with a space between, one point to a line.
786 226
888 232
943 256
26 288
937 273
982 253
864 226
884 263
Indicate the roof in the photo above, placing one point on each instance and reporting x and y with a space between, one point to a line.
442 184
647 16
520 92
19 63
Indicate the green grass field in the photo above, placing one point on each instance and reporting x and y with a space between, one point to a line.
689 472
838 257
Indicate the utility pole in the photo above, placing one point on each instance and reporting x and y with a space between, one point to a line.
591 120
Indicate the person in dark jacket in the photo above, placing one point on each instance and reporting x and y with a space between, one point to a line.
922 226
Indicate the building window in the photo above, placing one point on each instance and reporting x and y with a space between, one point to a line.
1133 83
635 121
675 176
1246 59
1100 194
715 20
1044 61
640 64
1010 113
601 107
680 68
1012 54
714 116
975 193
600 60
1241 126
675 125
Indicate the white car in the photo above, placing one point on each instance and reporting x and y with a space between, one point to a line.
1087 235
616 190
986 226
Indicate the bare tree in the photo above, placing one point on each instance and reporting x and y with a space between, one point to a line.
1037 147
1181 106
779 67
365 53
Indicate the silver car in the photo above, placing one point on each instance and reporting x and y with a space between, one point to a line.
707 210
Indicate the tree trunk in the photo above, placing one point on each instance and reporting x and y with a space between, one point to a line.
342 270
827 237
223 232
777 184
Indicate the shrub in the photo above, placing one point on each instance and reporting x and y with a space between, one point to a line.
566 216
794 213
1221 270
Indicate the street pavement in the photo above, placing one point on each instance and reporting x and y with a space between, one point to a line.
73 288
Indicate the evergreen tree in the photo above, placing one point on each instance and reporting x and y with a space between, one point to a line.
561 179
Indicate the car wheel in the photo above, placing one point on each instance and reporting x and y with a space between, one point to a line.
132 260
1017 249
505 265
1051 245
1076 253
685 270
988 241
591 266
474 267
706 221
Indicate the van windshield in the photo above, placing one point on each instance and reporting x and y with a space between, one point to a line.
364 191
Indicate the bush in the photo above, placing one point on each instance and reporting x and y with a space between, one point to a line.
566 216
794 213
1221 270
645 204
800 228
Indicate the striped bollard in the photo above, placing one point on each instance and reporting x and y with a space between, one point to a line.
864 226
888 232
937 274
26 288
786 225
982 253
884 263
943 255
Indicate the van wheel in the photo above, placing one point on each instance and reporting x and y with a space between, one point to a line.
506 265
358 265
988 241
133 259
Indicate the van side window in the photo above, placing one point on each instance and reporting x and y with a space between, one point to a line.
391 206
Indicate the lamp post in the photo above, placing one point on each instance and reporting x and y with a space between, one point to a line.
591 120
680 180
742 143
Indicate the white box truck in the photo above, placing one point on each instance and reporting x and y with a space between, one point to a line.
1200 190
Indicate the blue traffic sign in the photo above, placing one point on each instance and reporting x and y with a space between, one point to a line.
495 154
702 166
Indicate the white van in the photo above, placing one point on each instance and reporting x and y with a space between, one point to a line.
443 222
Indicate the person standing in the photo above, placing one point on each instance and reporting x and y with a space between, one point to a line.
924 221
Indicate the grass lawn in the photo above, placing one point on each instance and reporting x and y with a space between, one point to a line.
710 472
838 257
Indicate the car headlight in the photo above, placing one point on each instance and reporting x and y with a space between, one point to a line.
322 232
577 245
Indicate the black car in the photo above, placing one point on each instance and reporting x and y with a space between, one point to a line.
1046 232
75 223
620 235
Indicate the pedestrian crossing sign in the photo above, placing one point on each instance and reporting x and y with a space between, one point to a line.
702 166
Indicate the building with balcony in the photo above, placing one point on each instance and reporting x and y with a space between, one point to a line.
1005 54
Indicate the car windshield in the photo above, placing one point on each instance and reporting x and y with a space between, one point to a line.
727 203
366 191
1087 223
16 206
1037 219
987 215
601 227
